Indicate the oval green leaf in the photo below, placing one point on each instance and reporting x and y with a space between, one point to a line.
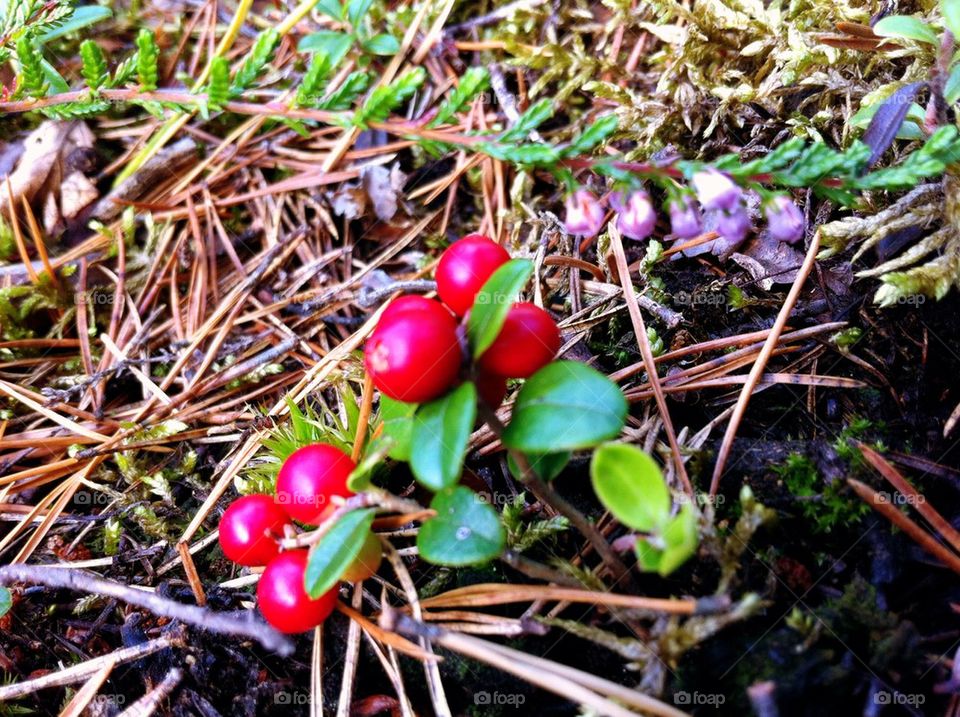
397 420
333 554
680 538
465 531
951 15
6 601
494 301
565 406
334 44
381 45
630 485
905 26
546 465
441 430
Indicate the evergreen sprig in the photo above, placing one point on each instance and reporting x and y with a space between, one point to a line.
94 67
256 61
32 77
383 100
218 89
147 60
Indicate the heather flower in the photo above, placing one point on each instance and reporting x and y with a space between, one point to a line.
716 190
785 220
685 219
734 225
636 218
585 214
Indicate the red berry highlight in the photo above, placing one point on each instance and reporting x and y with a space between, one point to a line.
309 478
465 267
250 528
414 353
527 342
283 599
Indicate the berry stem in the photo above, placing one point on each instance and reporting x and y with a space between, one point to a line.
548 496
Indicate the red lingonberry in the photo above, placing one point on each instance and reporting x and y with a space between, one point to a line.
249 529
367 561
491 388
309 478
407 302
283 599
414 354
465 267
528 341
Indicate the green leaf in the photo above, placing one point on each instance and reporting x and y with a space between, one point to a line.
383 100
951 91
256 59
951 15
630 485
80 18
680 537
784 154
536 153
493 303
381 45
357 10
465 531
474 81
321 65
31 66
54 79
593 135
536 114
336 551
331 8
218 89
648 557
344 96
546 465
334 44
94 67
396 418
441 431
147 56
6 601
906 26
565 406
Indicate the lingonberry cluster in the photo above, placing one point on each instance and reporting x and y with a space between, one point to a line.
418 350
252 526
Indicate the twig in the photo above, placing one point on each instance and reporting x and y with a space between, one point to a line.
572 684
372 297
85 670
640 329
242 624
761 363
548 496
150 702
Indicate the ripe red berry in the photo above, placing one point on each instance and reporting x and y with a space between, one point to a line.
491 388
309 478
465 267
407 302
367 561
249 530
283 599
528 341
414 353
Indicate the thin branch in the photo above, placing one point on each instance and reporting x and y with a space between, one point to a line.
240 624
